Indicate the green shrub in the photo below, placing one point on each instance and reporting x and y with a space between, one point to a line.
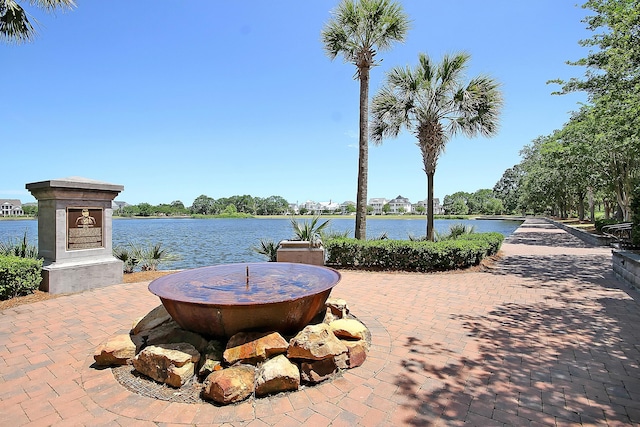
407 255
19 276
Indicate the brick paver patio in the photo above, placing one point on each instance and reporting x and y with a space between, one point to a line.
546 337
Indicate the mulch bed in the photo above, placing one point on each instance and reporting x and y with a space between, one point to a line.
36 296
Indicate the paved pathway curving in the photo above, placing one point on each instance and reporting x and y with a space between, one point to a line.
546 337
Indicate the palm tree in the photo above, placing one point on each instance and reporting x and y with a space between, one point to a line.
15 26
433 102
358 29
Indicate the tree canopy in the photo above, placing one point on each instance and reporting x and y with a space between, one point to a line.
595 156
17 26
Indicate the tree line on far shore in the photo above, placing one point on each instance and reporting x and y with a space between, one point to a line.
481 202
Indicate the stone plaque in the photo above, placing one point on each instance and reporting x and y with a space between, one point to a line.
84 228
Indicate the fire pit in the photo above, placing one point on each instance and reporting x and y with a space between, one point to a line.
221 300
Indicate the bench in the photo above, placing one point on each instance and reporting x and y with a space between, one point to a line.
620 233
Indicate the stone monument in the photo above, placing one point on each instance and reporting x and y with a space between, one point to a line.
74 234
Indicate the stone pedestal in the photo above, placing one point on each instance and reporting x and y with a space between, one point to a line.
300 252
74 234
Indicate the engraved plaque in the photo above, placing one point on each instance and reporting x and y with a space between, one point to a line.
84 228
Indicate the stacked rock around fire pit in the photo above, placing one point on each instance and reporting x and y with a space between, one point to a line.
248 364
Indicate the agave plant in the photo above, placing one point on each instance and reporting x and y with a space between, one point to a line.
20 248
381 236
310 231
414 238
457 230
148 257
127 258
268 248
152 255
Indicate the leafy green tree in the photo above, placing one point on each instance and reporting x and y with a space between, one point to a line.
456 203
612 79
178 208
613 67
272 205
245 203
30 210
434 103
477 201
145 209
386 208
230 210
203 205
507 189
357 31
493 206
15 23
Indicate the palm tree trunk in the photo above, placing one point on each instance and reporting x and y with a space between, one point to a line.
363 156
430 206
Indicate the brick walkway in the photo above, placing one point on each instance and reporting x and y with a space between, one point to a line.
547 337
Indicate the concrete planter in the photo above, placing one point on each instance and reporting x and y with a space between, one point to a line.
626 267
301 252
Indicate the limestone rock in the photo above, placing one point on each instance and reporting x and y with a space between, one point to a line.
338 307
172 333
230 385
277 375
117 350
254 347
329 316
350 329
172 364
315 342
357 353
317 370
212 359
153 319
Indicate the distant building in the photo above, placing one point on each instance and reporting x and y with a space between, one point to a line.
311 207
344 206
400 205
117 206
377 204
329 207
293 209
11 207
437 208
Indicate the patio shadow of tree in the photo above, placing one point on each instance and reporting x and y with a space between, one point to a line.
566 359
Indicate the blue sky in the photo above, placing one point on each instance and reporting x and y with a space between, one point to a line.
177 99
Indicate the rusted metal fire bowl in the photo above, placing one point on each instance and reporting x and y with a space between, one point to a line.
221 300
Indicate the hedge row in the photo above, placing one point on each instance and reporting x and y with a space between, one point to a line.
19 276
466 251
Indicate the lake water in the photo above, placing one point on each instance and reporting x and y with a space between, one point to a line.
202 242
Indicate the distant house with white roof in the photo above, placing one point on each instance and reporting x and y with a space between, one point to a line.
437 207
11 207
377 203
399 205
344 206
